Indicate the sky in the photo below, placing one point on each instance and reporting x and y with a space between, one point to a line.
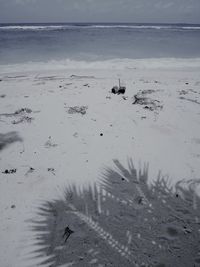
158 11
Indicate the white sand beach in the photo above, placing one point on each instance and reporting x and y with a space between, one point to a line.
60 124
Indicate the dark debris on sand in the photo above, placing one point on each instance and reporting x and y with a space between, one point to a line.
11 171
21 115
147 103
78 109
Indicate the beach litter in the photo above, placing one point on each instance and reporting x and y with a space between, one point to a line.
67 233
121 89
22 111
78 109
22 114
11 171
23 119
148 103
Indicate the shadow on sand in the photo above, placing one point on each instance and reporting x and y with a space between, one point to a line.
123 222
9 138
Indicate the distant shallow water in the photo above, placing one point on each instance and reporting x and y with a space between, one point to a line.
20 43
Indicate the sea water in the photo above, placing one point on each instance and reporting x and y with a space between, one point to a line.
21 43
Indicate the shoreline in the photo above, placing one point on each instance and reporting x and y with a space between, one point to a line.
111 64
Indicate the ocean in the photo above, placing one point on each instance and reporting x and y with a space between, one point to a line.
21 43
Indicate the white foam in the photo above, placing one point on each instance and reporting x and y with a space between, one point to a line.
113 64
121 26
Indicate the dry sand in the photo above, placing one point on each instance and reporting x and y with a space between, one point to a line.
62 125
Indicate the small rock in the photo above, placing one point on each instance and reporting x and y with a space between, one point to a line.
13 207
101 134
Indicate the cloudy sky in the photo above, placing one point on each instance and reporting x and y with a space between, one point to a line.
186 11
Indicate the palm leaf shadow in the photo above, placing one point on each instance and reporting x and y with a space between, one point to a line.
8 139
123 222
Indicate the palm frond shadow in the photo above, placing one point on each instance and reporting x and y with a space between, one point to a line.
9 138
123 222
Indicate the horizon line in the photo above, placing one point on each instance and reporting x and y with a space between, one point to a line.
52 22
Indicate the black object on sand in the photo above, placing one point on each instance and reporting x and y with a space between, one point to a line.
67 233
10 171
118 89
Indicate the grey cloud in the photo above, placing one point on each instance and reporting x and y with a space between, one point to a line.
100 11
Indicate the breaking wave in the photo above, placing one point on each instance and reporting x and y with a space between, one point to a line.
96 26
